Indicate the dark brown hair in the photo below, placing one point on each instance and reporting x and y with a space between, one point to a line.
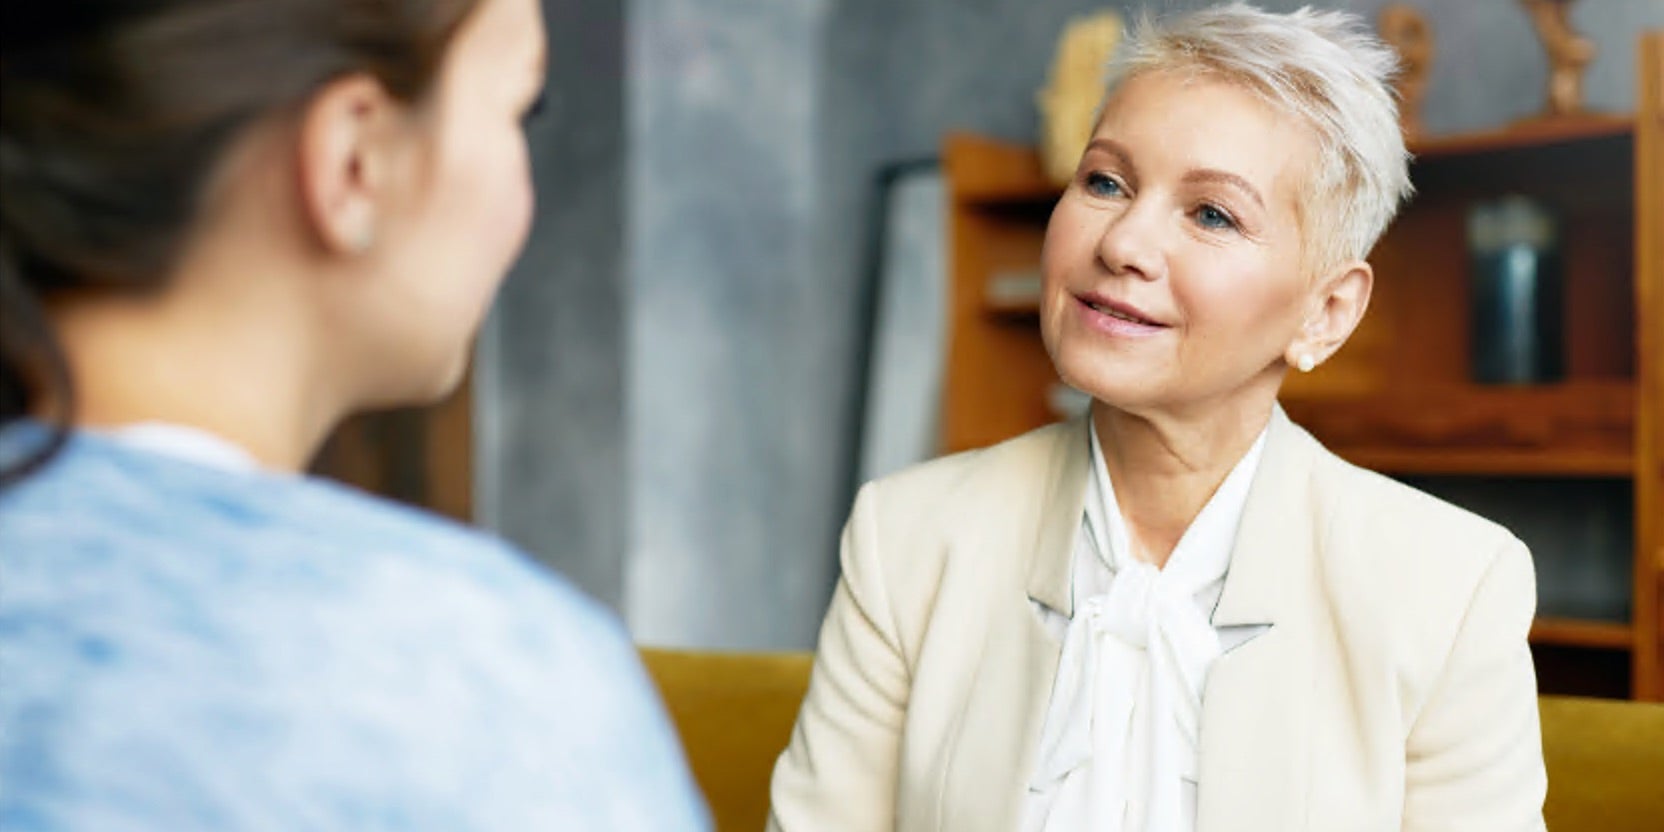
115 113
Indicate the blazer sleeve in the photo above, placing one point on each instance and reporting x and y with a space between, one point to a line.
840 769
1474 757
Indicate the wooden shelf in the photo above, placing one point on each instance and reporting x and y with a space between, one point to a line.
985 170
1523 135
1013 293
1573 429
1500 463
1567 632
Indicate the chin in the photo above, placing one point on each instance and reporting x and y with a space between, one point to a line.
419 381
445 382
1108 379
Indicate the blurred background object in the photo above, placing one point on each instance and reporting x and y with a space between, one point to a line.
1568 54
1069 101
1411 36
1514 248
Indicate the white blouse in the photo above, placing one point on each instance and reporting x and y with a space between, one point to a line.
1118 750
185 442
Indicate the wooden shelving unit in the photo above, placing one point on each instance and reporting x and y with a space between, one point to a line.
421 456
1563 632
1528 134
1398 398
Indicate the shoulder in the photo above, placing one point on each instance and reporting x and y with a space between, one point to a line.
970 484
194 566
106 531
119 508
271 638
981 505
965 523
1410 571
1369 511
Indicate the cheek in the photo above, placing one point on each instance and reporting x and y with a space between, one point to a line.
466 228
1069 237
515 194
480 216
1240 308
1067 249
501 181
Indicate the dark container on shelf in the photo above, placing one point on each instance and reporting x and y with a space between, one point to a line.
1518 284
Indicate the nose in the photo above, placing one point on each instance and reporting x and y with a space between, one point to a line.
1130 244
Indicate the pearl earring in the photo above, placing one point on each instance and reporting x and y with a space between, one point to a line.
363 238
1306 363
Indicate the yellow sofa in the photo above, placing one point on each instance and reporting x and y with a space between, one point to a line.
735 711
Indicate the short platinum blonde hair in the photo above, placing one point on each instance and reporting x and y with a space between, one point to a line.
1326 70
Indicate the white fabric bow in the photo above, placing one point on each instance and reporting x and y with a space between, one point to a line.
1121 729
1103 741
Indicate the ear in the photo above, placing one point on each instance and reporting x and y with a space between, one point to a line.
343 159
1336 306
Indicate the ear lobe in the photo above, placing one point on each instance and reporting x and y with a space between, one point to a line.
341 154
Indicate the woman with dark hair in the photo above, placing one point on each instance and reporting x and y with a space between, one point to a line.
225 225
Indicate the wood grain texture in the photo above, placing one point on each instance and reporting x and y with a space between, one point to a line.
420 456
1537 133
1648 656
1573 633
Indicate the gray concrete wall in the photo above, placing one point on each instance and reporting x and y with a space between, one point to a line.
550 436
739 369
959 64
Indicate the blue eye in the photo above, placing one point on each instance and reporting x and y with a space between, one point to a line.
1211 216
1103 185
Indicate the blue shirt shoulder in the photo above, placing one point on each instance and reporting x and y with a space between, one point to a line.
184 647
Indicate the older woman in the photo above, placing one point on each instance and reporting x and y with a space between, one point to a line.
1183 612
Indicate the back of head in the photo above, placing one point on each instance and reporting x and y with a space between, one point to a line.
1326 70
115 116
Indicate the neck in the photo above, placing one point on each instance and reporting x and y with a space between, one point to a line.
1165 467
226 365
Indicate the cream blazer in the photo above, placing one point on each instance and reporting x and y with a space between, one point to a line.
1392 690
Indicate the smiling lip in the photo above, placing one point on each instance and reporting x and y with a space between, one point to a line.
1116 318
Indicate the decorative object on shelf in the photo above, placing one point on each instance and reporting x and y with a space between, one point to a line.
1568 55
1411 36
1070 99
1514 244
1016 289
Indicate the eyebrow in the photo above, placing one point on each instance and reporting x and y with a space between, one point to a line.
1113 148
1202 175
1219 177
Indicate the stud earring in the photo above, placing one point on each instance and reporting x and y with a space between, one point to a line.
1306 363
363 238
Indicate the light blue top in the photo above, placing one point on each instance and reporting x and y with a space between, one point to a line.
188 647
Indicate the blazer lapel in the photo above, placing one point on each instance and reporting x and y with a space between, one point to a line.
999 731
1253 763
1254 768
1051 563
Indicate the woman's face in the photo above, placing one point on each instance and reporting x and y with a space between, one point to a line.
461 209
1173 262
